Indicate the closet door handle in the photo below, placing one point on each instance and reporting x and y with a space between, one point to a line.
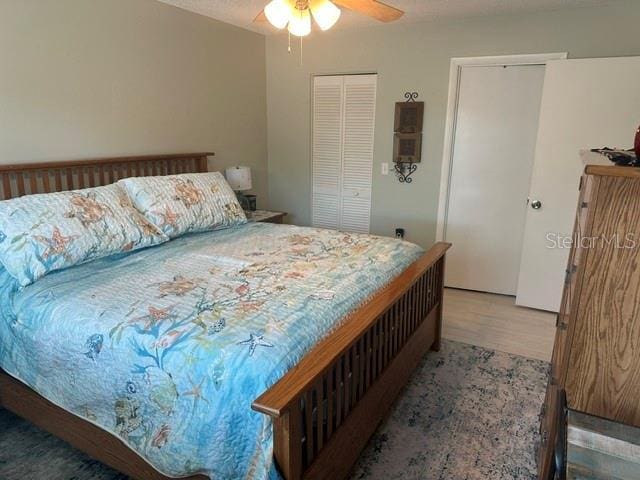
536 204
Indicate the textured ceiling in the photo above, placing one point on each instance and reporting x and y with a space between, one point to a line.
242 12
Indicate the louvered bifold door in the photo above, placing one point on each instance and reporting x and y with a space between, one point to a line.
344 109
327 151
357 152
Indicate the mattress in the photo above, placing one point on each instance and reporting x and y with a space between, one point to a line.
167 347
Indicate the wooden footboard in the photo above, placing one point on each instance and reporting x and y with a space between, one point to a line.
325 409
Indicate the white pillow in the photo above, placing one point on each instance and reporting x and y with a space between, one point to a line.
46 232
190 202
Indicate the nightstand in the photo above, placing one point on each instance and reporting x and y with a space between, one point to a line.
265 216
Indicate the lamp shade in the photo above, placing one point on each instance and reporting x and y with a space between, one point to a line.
325 13
278 13
300 23
239 178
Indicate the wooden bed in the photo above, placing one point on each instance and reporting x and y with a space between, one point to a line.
325 408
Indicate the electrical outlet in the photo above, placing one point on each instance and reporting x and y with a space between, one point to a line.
385 168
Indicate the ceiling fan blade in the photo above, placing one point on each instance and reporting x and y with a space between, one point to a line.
373 8
261 17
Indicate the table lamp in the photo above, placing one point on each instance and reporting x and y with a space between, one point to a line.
240 180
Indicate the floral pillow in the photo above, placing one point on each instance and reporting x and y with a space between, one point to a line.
46 232
190 202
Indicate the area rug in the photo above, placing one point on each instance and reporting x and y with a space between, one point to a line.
468 413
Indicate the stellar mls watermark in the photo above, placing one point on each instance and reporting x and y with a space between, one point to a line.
617 241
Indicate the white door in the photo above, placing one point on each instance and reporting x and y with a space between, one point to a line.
342 152
357 152
326 157
494 141
586 104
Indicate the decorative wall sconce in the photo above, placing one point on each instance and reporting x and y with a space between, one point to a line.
405 146
407 139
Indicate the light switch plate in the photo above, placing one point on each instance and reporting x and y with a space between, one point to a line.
385 168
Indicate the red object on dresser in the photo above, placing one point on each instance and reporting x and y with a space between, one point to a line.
636 144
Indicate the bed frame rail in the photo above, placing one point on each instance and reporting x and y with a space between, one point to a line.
325 409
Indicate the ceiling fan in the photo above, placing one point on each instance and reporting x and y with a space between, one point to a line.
296 14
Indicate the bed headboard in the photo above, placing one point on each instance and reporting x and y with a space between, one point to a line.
18 180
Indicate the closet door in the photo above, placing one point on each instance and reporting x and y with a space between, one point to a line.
342 156
357 152
327 151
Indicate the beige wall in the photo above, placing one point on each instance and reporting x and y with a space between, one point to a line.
85 78
414 57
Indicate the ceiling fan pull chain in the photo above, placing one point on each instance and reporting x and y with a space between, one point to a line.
300 51
289 49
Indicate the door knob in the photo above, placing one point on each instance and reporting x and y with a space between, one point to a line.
536 204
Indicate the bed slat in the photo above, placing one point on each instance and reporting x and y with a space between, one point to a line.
20 183
6 186
33 182
308 421
320 418
339 390
330 399
46 185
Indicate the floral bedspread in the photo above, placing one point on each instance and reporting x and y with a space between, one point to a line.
167 347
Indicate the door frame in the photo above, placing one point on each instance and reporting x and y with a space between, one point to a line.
455 74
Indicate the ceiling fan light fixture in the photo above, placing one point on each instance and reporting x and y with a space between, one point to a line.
325 13
278 12
300 23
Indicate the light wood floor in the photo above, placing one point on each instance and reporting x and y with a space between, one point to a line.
494 321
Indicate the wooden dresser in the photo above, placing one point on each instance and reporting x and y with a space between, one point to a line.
596 357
